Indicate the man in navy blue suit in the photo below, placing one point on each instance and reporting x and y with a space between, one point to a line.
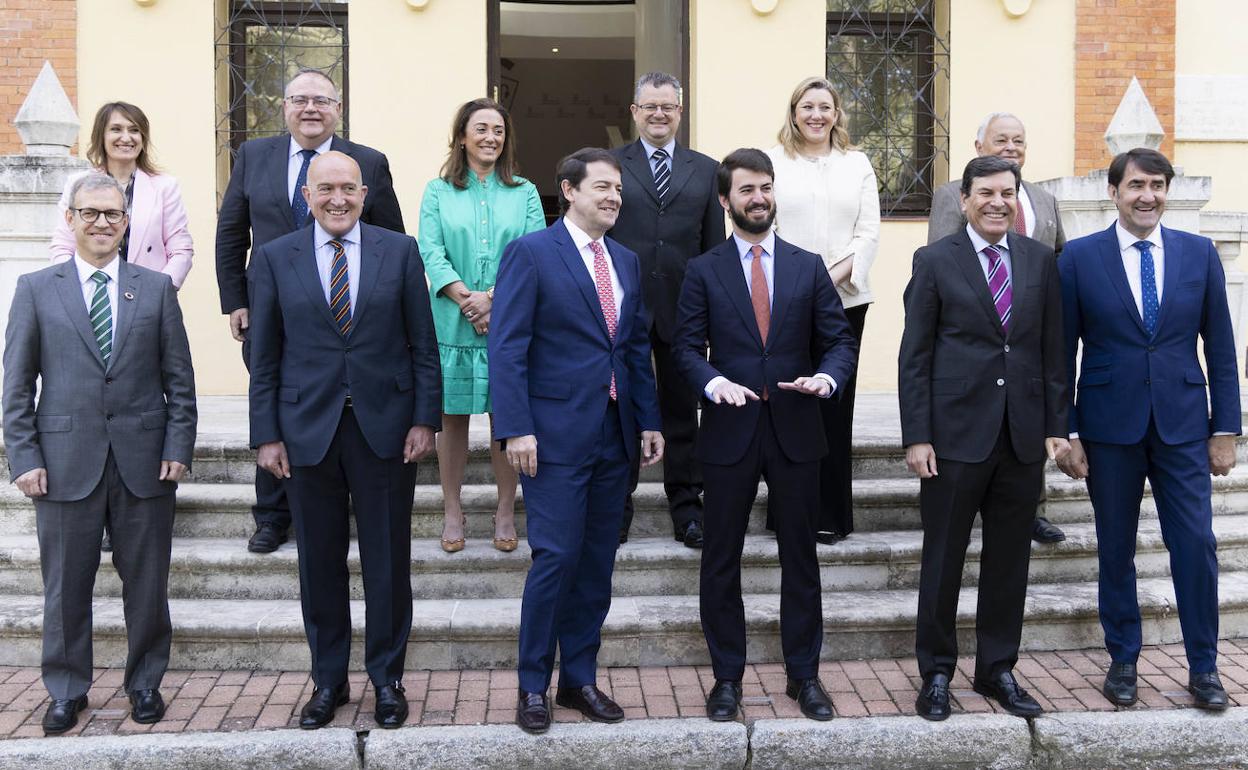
573 392
779 340
1138 295
346 394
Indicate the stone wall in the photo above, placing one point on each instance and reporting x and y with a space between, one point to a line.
32 31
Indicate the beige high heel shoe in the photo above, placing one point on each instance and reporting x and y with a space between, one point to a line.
504 544
457 545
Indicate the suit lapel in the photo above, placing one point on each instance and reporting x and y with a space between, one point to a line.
1172 259
303 263
784 282
637 164
371 256
682 170
580 276
727 266
70 292
277 169
1022 268
145 206
128 299
1111 260
1039 212
623 320
968 262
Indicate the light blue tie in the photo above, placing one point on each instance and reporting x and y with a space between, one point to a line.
1148 286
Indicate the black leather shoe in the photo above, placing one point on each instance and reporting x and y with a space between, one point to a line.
533 712
320 708
1119 685
933 701
1045 531
146 706
811 698
1207 691
62 714
691 535
391 709
266 538
1004 689
724 701
623 536
591 702
828 538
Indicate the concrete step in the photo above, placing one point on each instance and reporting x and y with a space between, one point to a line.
640 630
214 568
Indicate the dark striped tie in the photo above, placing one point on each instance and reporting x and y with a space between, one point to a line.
102 315
662 172
340 289
299 204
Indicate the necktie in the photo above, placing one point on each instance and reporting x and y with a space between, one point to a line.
999 285
606 296
340 289
102 315
298 204
760 298
662 172
1148 286
1020 218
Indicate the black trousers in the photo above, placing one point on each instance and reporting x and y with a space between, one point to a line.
682 477
730 492
271 505
380 493
1004 492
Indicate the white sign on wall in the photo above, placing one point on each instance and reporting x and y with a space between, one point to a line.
1211 108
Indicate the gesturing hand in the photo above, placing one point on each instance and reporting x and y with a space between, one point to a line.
811 386
728 392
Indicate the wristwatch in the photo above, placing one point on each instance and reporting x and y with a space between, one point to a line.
490 293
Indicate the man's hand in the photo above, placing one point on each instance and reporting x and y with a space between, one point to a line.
272 457
729 392
921 460
1075 462
1221 455
1056 447
811 386
651 447
522 454
239 321
33 483
418 444
171 470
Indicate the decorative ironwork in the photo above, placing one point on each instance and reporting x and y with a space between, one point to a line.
890 62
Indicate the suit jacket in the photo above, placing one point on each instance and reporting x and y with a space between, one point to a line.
947 218
1130 376
551 358
808 333
159 235
141 405
303 369
688 223
256 208
959 375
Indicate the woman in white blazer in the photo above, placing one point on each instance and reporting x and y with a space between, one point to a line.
827 202
157 237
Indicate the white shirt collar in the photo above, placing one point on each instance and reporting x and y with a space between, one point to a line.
86 269
295 149
650 148
580 238
320 237
1127 241
980 243
768 243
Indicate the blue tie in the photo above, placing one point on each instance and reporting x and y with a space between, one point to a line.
1148 285
298 204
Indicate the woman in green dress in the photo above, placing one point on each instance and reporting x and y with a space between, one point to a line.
475 207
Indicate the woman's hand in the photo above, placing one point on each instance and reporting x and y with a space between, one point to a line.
476 306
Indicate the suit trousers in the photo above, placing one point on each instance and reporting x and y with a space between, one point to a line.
379 491
69 554
1003 491
1179 475
271 505
573 515
682 476
793 497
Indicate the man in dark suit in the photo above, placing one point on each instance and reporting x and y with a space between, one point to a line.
264 201
779 339
573 389
670 214
346 394
1138 295
983 398
1002 135
113 432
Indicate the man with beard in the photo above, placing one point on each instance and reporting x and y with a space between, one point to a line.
779 339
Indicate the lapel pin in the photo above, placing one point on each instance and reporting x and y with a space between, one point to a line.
129 295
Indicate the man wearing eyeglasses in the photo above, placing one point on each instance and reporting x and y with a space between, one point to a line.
263 202
669 214
107 441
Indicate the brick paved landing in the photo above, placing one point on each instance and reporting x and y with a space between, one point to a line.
240 700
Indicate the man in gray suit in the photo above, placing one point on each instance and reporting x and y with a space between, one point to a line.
111 434
1003 135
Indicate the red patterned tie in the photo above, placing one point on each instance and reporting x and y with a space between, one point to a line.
606 296
760 298
1020 219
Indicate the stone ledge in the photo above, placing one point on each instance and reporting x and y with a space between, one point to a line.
1183 738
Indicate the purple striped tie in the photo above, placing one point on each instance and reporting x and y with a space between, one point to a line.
999 285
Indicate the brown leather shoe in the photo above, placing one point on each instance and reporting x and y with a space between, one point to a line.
533 712
591 702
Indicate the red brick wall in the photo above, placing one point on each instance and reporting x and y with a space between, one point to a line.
32 31
1114 40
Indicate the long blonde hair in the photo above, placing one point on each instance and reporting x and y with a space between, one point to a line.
791 137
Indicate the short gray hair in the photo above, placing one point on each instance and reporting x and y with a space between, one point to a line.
95 181
311 71
657 80
982 133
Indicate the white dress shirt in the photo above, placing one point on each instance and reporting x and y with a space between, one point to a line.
325 258
85 271
581 240
295 162
1131 263
980 243
1029 212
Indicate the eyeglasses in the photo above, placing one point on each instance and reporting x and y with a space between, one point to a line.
112 216
650 108
321 102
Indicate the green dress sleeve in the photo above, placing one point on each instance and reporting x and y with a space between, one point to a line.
432 244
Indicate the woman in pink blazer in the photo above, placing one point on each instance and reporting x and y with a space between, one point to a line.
157 237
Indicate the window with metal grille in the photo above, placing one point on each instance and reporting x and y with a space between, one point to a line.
889 60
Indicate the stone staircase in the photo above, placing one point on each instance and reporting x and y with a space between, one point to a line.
237 610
